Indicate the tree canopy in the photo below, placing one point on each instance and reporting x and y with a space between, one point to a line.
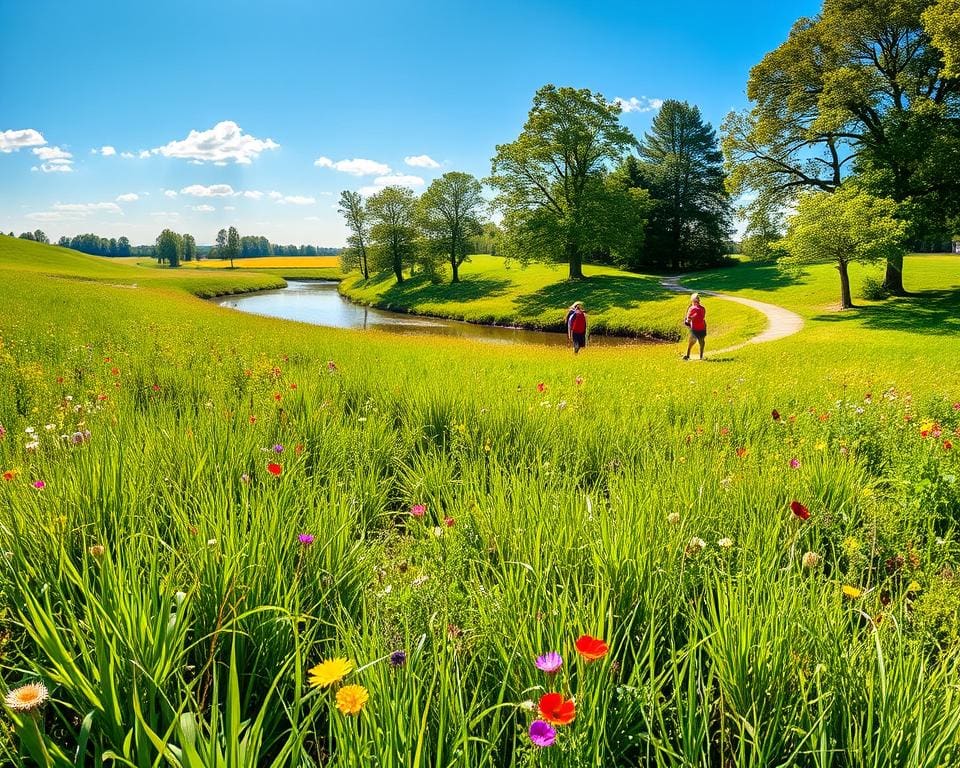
450 216
393 230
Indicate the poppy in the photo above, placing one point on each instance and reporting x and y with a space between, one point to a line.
274 469
557 710
799 510
591 648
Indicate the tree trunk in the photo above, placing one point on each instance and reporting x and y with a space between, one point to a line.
575 259
846 302
893 280
453 263
398 269
363 263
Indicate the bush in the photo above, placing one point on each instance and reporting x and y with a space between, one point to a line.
874 289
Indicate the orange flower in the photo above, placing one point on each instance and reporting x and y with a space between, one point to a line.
274 469
9 474
557 710
591 648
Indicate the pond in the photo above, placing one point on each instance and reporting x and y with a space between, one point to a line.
318 302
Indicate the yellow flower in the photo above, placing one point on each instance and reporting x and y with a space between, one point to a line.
27 698
914 586
852 592
351 698
328 672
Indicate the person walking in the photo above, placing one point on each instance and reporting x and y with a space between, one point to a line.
696 321
577 326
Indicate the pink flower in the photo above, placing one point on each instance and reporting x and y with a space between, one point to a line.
39 485
306 539
448 521
550 662
418 510
794 463
331 366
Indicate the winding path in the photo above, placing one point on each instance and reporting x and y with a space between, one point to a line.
780 322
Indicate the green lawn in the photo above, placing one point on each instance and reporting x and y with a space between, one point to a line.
492 290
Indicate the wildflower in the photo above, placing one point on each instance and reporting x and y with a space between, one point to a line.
328 672
794 463
306 539
694 547
274 469
741 453
914 586
578 381
448 521
947 445
799 510
32 445
252 419
97 551
351 698
775 414
39 485
810 560
893 564
591 648
550 662
454 631
3 432
725 543
278 448
398 659
437 531
418 510
852 592
27 698
541 387
542 734
527 706
673 518
245 478
78 438
556 710
211 542
298 449
331 366
9 474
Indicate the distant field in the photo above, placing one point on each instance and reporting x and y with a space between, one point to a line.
267 262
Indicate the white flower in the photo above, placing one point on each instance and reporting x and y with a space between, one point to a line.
725 543
27 698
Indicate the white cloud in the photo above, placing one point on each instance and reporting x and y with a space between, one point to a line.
204 208
358 166
144 154
296 200
214 190
105 151
129 197
170 192
127 155
13 141
643 104
55 160
252 194
274 195
87 208
393 180
421 161
225 141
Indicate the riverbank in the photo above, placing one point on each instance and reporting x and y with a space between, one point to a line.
493 291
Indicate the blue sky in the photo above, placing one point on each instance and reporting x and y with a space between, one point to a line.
241 113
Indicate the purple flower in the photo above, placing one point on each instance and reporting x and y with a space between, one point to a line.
550 662
398 658
542 733
278 448
39 485
306 539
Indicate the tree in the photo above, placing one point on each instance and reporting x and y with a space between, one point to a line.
449 214
40 236
358 222
850 225
27 236
681 165
222 244
123 246
169 247
232 249
942 22
551 178
860 88
392 229
189 248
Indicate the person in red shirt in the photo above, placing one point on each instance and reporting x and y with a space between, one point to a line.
697 323
577 326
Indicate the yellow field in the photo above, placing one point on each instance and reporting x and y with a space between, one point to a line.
266 262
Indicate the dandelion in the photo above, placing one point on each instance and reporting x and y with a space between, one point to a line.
27 698
591 648
810 560
418 510
398 659
725 543
673 518
799 510
328 672
274 469
542 734
351 698
557 710
694 547
914 586
852 592
306 539
550 662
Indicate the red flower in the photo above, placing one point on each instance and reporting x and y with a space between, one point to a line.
591 648
541 387
775 414
274 469
799 510
448 521
947 445
741 452
277 396
115 371
557 710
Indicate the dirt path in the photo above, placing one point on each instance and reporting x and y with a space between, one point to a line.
780 322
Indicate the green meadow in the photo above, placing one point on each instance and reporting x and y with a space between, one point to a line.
199 507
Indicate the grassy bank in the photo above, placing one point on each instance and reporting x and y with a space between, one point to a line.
168 463
494 291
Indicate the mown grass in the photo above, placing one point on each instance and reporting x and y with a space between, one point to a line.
577 489
495 291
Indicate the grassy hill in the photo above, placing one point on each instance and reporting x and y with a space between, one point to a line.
765 542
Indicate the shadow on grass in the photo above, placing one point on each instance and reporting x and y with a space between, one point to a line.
419 289
757 277
923 312
598 294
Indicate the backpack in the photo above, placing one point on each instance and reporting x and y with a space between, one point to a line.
578 323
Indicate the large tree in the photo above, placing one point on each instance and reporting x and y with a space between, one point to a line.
848 226
189 248
860 88
393 230
169 247
221 244
550 179
232 249
450 212
682 167
354 211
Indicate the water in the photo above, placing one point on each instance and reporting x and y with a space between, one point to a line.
319 303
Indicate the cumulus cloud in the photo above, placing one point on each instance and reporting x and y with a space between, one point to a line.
14 141
253 194
129 197
296 200
204 208
170 192
105 151
274 195
643 104
144 154
421 161
214 190
55 160
225 141
127 155
392 180
357 166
